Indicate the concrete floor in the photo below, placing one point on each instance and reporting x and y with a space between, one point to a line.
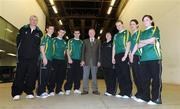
170 97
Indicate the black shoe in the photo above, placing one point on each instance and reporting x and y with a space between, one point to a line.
84 93
96 93
157 101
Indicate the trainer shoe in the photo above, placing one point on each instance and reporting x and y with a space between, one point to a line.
151 103
125 97
61 93
67 92
107 94
119 96
30 96
76 91
17 97
51 94
43 95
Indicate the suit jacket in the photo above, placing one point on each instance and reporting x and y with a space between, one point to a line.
91 52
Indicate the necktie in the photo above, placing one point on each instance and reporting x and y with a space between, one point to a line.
91 40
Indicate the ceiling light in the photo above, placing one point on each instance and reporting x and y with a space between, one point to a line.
98 37
112 2
11 54
51 2
9 30
55 9
109 10
101 31
67 37
2 51
60 22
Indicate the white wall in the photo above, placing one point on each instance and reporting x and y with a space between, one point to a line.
166 15
8 61
17 12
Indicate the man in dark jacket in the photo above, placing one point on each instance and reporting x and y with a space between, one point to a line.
28 44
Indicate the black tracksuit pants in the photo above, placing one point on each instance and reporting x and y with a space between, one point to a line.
110 80
73 76
45 79
25 78
152 71
60 74
123 75
137 76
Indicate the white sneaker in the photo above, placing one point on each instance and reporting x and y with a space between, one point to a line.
107 94
43 95
119 96
17 97
67 92
51 94
61 93
30 96
139 100
151 103
76 91
133 97
125 96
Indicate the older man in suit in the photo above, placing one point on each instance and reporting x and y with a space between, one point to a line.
90 62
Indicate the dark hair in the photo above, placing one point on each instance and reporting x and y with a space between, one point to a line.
135 21
108 32
61 28
119 21
150 17
76 29
49 26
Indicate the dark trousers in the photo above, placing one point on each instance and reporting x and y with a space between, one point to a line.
45 79
137 76
151 71
110 80
25 77
123 75
73 76
60 74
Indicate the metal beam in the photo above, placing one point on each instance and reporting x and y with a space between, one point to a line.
83 26
120 7
93 23
85 17
43 6
71 24
81 8
83 0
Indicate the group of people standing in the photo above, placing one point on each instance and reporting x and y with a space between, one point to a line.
142 51
139 50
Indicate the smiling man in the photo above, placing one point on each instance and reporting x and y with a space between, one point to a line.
28 43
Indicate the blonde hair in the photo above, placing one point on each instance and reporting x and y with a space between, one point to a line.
33 16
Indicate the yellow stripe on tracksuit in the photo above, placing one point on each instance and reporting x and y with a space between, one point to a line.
46 45
156 42
54 47
138 39
126 38
70 46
